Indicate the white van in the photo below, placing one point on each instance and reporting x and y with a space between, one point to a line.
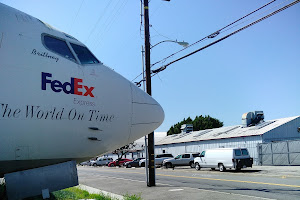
222 158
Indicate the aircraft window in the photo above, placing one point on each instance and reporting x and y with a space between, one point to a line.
69 36
58 46
84 55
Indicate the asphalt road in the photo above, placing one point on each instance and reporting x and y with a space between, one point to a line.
186 183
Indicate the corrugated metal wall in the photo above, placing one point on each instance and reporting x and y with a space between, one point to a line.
288 131
250 143
279 153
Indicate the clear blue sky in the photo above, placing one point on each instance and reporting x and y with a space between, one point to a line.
256 69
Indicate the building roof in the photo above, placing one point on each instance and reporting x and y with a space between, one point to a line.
225 132
140 143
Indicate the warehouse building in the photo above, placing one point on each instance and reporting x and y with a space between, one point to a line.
253 132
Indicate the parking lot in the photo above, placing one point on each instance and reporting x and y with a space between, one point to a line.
259 182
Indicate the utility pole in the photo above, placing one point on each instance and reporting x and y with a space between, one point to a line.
146 143
151 163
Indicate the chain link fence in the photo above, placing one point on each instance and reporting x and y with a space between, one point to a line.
279 153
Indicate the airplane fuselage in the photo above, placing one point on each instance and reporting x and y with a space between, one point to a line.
58 101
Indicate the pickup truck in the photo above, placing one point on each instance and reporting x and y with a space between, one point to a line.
186 159
100 161
159 158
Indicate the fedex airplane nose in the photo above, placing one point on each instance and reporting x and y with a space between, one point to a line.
147 114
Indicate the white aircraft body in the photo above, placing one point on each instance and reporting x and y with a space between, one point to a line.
58 102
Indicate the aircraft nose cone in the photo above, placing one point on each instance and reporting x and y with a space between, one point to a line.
147 114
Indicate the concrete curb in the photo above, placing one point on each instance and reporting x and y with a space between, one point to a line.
92 190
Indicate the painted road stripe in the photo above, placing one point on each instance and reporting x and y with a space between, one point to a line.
186 188
175 190
228 180
216 179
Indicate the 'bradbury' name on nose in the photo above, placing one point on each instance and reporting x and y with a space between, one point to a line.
73 87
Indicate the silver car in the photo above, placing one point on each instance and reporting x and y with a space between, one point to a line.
101 161
159 158
186 159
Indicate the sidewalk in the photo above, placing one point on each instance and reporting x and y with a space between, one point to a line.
159 192
278 170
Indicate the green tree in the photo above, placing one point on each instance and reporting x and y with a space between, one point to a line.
199 123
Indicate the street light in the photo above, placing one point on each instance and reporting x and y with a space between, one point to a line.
183 43
151 164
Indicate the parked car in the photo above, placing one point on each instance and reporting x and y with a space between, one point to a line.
222 158
159 158
134 163
101 161
119 162
85 163
186 159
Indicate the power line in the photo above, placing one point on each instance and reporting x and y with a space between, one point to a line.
159 33
98 37
98 20
214 34
111 22
254 17
76 15
109 13
225 37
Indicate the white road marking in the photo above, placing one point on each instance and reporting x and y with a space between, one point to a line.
226 193
174 190
242 195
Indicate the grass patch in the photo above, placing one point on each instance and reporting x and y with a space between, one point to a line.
72 193
76 193
132 197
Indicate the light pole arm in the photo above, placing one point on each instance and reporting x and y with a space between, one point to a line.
185 44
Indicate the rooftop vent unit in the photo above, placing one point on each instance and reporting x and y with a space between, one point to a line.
186 128
252 118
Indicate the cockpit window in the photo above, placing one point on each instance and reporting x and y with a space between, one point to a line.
84 55
69 36
58 46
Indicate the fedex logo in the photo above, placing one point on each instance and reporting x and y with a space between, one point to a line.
74 87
